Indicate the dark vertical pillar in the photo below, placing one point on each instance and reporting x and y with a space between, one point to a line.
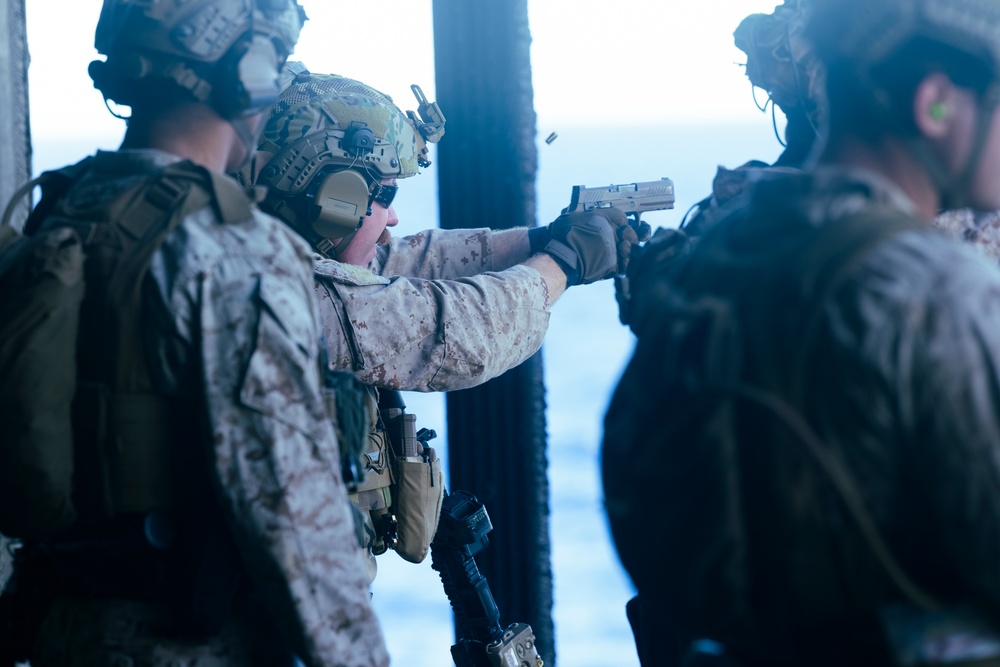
486 170
15 144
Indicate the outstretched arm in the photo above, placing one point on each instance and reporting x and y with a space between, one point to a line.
436 335
448 254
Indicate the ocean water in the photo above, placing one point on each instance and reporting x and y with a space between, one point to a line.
585 351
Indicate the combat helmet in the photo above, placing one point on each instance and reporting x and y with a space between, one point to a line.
227 53
867 33
331 140
781 61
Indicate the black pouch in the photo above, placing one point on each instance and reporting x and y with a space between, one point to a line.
210 579
23 605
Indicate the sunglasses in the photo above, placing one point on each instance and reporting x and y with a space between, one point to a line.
382 194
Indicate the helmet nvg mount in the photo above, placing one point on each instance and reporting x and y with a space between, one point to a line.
226 53
332 140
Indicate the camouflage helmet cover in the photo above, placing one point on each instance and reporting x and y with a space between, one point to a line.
781 61
307 127
866 33
181 40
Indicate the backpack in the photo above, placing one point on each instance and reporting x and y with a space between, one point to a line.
726 325
82 432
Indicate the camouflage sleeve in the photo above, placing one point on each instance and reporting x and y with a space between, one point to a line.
446 254
276 456
431 335
981 229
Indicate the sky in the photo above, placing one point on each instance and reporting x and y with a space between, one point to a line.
594 62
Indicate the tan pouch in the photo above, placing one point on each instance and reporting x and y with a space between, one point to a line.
420 486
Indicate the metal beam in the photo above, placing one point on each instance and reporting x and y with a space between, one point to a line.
15 146
486 169
15 143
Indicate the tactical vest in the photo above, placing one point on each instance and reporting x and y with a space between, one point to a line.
397 486
85 434
394 478
726 326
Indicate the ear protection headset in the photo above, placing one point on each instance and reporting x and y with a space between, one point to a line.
340 200
318 184
329 154
246 80
339 203
226 53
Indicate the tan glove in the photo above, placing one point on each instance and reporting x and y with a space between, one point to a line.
585 244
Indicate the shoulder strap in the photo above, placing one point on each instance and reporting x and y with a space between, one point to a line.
231 201
843 482
54 185
837 250
174 193
118 389
171 186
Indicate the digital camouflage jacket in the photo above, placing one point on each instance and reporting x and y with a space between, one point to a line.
231 318
433 312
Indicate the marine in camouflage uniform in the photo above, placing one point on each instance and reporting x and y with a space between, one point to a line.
404 320
436 311
232 315
823 489
229 324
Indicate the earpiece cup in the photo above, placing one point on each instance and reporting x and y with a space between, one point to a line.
340 203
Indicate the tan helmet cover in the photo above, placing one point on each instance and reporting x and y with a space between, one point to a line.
310 128
327 141
213 48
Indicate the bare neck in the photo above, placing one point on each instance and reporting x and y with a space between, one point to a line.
892 160
191 131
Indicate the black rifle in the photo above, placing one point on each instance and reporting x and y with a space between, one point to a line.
482 642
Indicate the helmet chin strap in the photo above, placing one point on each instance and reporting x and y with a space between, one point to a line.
345 241
248 139
320 243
